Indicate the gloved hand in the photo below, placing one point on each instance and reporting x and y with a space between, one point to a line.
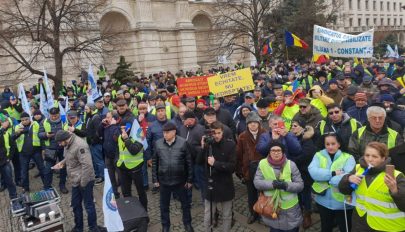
279 184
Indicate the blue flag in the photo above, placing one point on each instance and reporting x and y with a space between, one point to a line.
62 113
112 218
93 90
138 135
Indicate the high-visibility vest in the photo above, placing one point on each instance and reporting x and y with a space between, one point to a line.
113 94
308 82
130 161
401 81
47 128
288 200
339 163
78 126
168 112
35 139
320 106
288 114
140 94
353 125
6 137
13 113
392 136
375 201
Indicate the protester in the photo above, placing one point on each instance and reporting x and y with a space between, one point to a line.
241 118
172 173
327 169
276 173
358 111
311 115
380 204
5 157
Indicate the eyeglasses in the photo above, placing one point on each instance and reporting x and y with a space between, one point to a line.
276 150
303 107
334 112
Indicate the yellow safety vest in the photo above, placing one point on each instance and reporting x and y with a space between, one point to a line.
35 139
6 137
339 163
47 128
13 113
320 106
353 125
392 136
168 112
375 201
288 200
78 126
130 161
288 114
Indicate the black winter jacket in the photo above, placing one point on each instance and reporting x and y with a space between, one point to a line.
172 164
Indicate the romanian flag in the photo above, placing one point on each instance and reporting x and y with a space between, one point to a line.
320 59
293 40
267 47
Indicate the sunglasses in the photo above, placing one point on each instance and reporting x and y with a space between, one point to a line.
334 112
303 107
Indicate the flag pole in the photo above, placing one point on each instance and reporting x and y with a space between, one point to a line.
286 50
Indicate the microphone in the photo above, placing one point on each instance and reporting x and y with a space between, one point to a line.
355 186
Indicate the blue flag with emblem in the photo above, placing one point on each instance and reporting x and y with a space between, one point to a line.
137 134
112 218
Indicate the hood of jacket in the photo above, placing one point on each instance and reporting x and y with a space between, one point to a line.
240 115
315 87
308 133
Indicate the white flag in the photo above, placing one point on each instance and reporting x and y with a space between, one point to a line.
62 112
396 51
48 88
94 92
24 102
112 218
137 134
43 104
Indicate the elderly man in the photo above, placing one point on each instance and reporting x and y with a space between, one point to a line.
376 129
263 112
77 160
311 115
358 111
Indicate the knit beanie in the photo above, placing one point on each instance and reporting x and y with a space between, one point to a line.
253 117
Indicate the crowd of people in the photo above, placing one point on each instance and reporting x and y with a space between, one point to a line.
318 137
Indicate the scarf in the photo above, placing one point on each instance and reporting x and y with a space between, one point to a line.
277 164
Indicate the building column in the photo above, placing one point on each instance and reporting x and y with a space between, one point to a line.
187 46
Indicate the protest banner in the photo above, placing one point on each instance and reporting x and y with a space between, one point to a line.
193 86
338 44
231 82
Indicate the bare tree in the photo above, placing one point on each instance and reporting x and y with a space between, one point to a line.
49 30
239 26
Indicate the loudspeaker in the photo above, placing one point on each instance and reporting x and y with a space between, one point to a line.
133 215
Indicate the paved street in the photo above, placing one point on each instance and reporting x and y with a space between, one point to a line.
240 210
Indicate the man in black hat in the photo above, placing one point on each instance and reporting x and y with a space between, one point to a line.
348 100
172 173
263 112
190 104
101 108
79 166
52 150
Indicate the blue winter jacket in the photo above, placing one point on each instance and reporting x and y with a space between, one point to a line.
292 145
324 174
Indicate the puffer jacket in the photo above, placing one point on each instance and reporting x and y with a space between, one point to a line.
286 219
154 133
357 146
79 165
325 174
109 135
193 136
360 223
246 153
172 164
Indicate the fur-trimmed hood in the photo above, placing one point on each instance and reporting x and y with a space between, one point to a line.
308 133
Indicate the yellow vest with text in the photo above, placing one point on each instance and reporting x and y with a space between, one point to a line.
288 200
392 136
130 161
376 203
338 164
35 139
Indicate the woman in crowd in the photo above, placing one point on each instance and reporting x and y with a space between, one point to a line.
380 193
327 169
274 173
305 134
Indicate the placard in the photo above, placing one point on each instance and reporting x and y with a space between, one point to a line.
231 82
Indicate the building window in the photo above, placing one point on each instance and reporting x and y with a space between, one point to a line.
358 5
359 22
367 21
350 22
374 5
381 5
400 22
382 22
389 22
350 4
395 22
375 22
367 5
388 5
395 6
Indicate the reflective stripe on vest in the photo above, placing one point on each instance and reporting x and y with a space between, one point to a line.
288 200
392 136
13 113
320 106
353 126
35 139
168 112
339 163
376 203
288 114
130 161
6 137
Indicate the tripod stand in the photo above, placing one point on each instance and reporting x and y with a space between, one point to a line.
210 186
